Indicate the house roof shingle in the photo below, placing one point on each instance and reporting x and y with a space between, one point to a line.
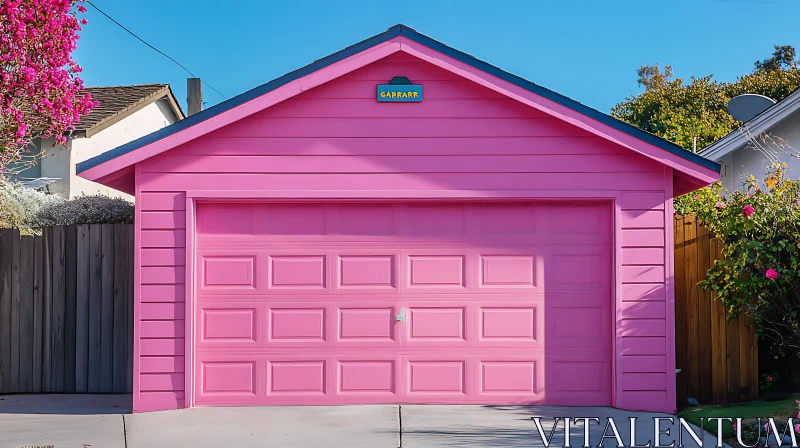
117 102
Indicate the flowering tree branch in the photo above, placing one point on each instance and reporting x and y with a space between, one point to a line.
39 83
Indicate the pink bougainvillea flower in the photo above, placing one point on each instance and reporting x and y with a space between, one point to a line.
771 274
797 428
84 21
719 205
748 211
769 379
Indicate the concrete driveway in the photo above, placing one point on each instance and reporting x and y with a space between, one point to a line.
104 421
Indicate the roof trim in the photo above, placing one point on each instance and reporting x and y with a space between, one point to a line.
761 123
163 92
363 46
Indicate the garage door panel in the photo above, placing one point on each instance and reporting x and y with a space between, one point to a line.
229 325
298 272
372 325
509 324
578 380
437 378
368 377
518 379
581 326
436 270
299 325
435 324
366 271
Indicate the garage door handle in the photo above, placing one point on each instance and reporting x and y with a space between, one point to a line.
402 316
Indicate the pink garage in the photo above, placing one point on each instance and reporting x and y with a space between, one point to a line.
334 238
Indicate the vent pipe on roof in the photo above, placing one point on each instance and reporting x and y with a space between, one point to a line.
194 95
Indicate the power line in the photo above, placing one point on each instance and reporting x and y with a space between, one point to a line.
154 48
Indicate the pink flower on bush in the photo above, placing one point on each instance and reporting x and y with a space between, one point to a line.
769 379
797 428
719 205
748 211
771 274
734 426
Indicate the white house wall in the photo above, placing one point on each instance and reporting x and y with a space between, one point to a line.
149 119
746 160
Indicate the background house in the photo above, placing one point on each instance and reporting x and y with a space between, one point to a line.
772 135
125 113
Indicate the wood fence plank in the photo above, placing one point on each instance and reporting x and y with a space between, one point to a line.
71 241
95 306
681 355
16 271
107 311
26 315
704 315
6 243
38 312
47 309
130 298
692 306
754 361
733 361
120 308
82 265
719 362
59 298
745 361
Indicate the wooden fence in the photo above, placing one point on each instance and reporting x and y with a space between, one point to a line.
66 309
718 358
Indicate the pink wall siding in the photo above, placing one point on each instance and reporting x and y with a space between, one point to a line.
461 137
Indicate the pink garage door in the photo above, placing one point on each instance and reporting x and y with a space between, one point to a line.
403 303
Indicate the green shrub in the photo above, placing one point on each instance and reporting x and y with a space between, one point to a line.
760 273
19 206
97 209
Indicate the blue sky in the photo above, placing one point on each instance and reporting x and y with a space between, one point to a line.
586 49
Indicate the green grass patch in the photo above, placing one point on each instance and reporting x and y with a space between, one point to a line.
749 409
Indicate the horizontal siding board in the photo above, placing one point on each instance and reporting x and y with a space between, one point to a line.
549 163
323 146
163 275
394 182
163 220
163 238
642 274
644 381
642 200
162 201
162 311
369 108
649 400
434 90
161 347
644 346
643 255
159 401
642 219
642 327
162 364
162 328
643 292
163 293
163 257
642 237
398 127
161 382
643 310
644 364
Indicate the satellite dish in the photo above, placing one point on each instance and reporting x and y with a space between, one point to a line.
746 107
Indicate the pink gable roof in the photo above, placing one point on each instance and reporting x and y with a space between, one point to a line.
114 168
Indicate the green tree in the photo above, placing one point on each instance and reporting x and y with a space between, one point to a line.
679 110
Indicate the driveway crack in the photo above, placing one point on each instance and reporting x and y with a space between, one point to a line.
124 431
400 424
